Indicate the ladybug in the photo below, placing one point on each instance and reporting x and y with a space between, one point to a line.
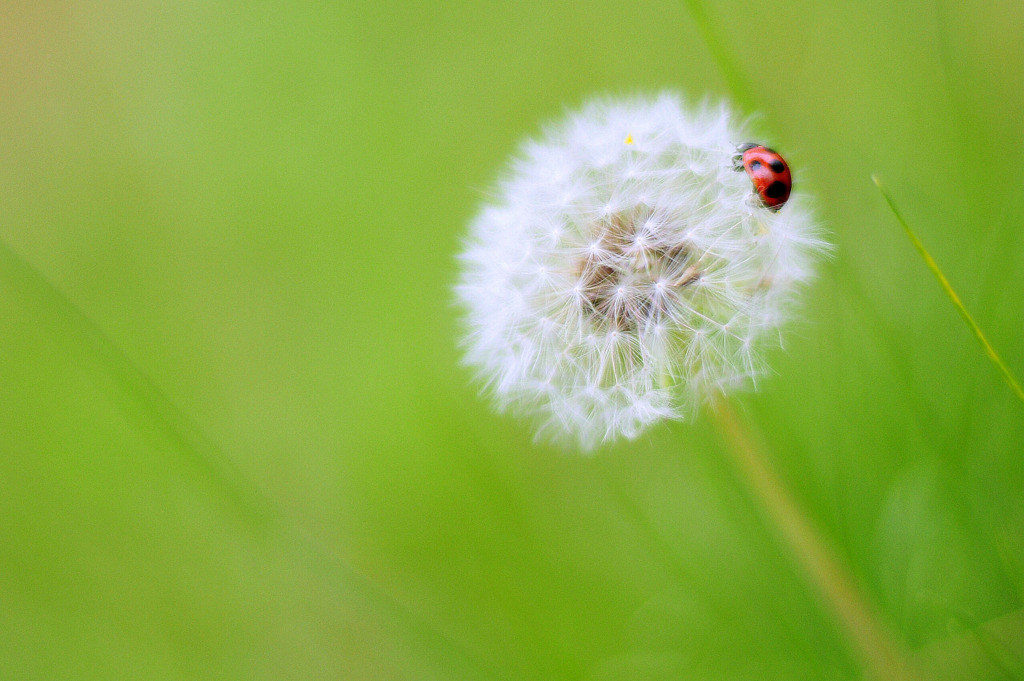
768 171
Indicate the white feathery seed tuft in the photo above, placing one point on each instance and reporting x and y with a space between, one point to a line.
625 271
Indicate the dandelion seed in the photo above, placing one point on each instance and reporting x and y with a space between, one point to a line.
612 285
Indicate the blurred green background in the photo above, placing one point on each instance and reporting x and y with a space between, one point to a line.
235 441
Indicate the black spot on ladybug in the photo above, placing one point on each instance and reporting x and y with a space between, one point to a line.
775 190
754 165
777 165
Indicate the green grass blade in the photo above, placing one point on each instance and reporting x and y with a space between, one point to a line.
148 408
141 401
735 79
944 283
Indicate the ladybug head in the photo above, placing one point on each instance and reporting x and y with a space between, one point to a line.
737 159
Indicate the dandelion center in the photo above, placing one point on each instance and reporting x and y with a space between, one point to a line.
628 271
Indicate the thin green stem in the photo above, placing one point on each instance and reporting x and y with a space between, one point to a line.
944 283
877 647
735 79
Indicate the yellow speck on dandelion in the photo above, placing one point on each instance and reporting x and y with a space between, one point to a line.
629 139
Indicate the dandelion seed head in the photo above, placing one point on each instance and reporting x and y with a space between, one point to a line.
625 271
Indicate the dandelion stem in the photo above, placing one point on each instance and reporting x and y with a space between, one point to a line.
882 655
934 267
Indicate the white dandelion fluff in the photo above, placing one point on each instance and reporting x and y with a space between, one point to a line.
626 271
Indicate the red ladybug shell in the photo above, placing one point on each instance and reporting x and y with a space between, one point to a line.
769 172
